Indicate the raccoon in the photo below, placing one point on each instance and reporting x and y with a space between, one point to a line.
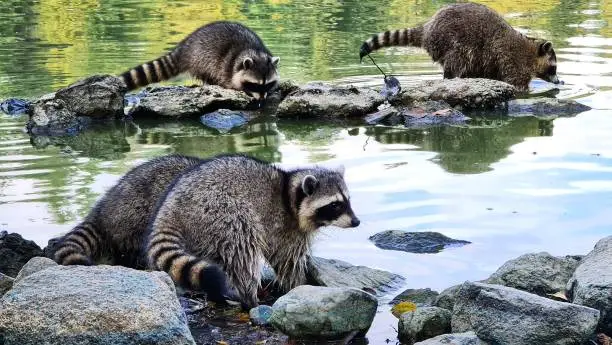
470 40
222 53
234 210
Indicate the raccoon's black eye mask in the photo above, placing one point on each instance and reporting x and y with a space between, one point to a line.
258 88
332 210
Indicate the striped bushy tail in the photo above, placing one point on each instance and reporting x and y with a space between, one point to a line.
166 252
401 37
162 68
79 246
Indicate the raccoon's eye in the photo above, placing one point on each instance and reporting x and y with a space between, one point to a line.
336 205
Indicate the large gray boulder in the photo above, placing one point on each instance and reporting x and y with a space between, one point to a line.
423 323
70 305
316 312
446 299
15 252
503 315
95 96
420 297
325 100
539 273
338 273
468 93
467 338
36 264
183 101
591 284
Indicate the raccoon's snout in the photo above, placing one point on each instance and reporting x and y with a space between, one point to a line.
554 79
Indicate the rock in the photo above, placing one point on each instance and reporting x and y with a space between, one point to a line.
337 273
6 283
539 273
424 323
314 312
446 299
35 264
260 315
591 283
326 100
50 116
93 305
504 315
182 101
224 120
467 338
469 93
418 114
96 96
420 297
545 107
15 252
414 242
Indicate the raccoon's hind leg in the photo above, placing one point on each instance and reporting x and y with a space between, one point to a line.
79 246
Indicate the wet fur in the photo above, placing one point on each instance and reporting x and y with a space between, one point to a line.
470 40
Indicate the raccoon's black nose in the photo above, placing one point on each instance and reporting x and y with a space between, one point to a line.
355 222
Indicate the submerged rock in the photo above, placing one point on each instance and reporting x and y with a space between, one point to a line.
503 315
224 120
420 297
315 312
93 305
15 252
418 114
414 242
468 93
6 283
337 273
591 283
467 338
545 107
182 101
423 323
326 100
539 273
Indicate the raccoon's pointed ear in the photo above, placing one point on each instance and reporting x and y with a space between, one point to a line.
309 184
544 48
247 63
275 60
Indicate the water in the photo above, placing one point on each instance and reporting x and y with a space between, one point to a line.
510 186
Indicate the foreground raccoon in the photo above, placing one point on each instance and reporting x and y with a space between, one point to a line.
470 40
220 53
227 212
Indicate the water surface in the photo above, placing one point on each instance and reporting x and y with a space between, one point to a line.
510 186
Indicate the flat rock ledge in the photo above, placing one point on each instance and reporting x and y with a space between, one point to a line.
415 242
91 305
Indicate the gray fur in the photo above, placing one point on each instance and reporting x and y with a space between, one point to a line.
235 211
221 53
472 41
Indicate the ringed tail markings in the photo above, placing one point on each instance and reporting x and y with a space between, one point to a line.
162 68
79 245
399 37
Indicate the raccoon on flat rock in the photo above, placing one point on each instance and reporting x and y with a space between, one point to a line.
472 41
214 219
222 53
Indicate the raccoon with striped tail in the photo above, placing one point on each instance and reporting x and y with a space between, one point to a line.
472 41
234 211
221 53
214 219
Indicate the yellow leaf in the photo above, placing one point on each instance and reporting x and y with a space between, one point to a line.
403 307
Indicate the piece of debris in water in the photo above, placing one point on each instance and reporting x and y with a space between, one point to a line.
224 120
392 87
14 106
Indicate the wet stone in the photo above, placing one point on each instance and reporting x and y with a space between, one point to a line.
420 297
15 252
415 242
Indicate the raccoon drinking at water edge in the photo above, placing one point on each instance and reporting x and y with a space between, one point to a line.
472 41
221 53
204 220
